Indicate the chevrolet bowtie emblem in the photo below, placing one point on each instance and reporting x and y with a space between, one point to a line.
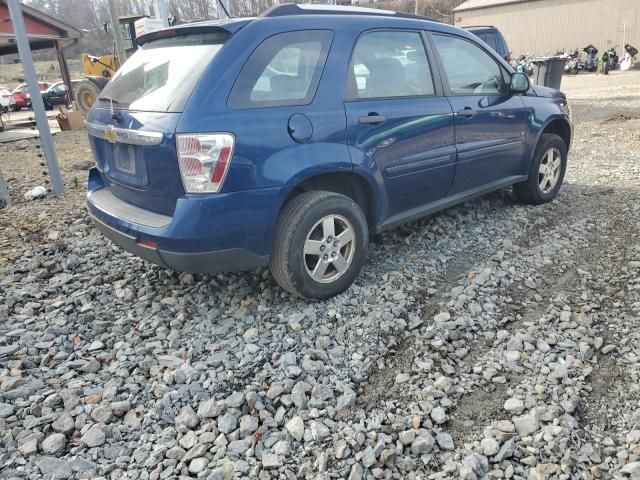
110 134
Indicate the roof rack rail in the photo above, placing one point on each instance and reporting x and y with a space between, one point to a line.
287 9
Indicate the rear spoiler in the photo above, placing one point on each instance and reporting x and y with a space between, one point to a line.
229 27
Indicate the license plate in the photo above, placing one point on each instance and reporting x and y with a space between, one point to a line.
125 159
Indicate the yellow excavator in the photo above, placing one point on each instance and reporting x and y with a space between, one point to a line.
98 70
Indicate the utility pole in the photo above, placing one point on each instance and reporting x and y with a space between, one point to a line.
36 98
117 33
415 11
160 9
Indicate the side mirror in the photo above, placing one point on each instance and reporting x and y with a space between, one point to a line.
519 83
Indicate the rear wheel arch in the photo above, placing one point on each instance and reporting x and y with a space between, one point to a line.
349 184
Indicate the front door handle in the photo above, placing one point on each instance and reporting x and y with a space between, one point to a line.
371 119
467 112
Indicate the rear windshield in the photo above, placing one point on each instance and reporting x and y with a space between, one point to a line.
160 75
490 39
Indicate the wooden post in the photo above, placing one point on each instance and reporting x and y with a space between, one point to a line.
64 69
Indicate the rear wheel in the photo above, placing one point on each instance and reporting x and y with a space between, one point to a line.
320 245
547 172
87 93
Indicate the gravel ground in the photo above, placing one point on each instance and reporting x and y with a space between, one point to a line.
492 340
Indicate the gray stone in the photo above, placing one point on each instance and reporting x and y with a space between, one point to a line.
94 436
439 415
187 417
514 405
198 465
369 457
270 461
54 468
102 414
54 443
29 444
210 408
407 436
6 410
489 446
445 441
423 443
227 423
357 472
346 400
526 424
248 425
235 400
295 427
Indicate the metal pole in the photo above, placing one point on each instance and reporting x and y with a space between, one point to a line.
36 98
117 33
160 8
222 12
5 198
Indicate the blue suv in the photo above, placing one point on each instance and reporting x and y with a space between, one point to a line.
289 139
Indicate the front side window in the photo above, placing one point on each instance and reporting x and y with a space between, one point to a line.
283 71
469 69
388 64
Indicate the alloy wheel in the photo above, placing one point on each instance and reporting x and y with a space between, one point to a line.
549 170
329 248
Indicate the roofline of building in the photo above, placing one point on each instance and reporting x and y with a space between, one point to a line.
462 8
66 30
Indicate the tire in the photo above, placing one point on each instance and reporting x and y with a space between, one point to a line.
87 93
303 220
530 191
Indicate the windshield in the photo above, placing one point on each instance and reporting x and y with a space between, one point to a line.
160 76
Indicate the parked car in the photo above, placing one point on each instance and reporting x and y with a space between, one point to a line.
21 95
57 94
492 37
6 100
369 119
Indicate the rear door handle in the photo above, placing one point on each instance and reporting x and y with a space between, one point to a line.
467 112
371 119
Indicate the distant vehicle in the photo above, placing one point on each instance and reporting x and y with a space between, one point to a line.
288 139
591 65
21 95
492 37
57 94
6 100
629 56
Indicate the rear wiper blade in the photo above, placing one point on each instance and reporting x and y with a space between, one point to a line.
115 115
108 99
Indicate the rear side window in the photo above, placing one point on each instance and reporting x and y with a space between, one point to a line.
160 76
283 71
388 64
470 70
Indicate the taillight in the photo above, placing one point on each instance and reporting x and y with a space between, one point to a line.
204 160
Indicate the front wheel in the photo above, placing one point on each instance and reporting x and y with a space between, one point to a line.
320 245
547 172
87 93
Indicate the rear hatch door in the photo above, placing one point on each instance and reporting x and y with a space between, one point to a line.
132 127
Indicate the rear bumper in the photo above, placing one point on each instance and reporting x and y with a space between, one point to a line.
205 234
234 259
